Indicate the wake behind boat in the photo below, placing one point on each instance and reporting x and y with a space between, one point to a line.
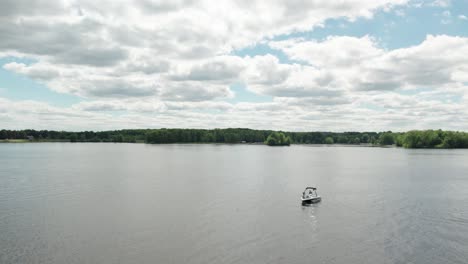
309 195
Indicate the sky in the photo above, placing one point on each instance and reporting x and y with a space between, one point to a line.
316 65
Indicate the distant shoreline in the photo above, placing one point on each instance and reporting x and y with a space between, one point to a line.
432 139
23 141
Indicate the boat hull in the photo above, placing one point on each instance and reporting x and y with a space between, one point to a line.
311 200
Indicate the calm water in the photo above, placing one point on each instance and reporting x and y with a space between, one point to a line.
136 203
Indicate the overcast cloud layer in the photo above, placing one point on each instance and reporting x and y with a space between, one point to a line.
175 63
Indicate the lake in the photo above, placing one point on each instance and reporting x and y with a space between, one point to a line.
138 203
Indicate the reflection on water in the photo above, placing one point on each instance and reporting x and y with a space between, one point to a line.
136 203
309 210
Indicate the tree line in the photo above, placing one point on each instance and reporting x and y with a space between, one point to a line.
432 139
410 139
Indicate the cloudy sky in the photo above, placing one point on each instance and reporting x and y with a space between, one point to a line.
315 65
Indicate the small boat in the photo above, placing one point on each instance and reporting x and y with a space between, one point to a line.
310 195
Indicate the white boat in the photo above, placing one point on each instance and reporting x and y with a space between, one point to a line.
309 195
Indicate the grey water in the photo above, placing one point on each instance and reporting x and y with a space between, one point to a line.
138 203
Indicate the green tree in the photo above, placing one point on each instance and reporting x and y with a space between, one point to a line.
329 140
278 139
386 139
73 137
365 138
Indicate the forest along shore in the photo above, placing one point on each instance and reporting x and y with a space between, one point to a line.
410 139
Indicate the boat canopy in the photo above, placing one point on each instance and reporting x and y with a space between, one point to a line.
312 188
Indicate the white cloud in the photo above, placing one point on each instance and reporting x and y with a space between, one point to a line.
176 28
82 45
194 91
150 106
446 17
356 111
41 72
351 63
441 3
352 80
462 17
170 64
340 52
219 68
86 81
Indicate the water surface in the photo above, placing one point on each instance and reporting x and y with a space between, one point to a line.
137 203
